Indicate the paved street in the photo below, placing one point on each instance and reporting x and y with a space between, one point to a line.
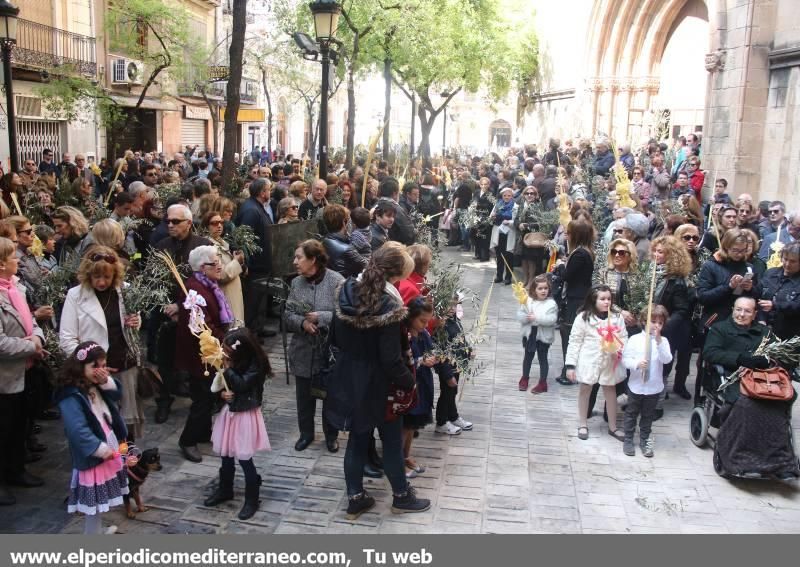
521 470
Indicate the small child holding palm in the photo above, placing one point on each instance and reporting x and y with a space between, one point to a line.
646 380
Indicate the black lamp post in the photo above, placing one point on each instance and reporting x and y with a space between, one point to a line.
326 21
8 38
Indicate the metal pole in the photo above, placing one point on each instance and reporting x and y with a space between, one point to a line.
413 124
12 121
323 113
444 132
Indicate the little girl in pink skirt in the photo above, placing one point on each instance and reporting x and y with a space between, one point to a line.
239 431
89 401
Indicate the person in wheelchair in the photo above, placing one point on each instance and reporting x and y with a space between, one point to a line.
755 438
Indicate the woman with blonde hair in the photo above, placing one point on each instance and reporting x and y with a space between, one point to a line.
673 266
232 264
72 228
299 190
108 233
94 311
622 259
753 246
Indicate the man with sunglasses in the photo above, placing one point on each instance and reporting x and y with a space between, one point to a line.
29 174
776 214
180 242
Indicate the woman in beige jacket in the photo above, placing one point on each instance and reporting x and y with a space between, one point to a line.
232 264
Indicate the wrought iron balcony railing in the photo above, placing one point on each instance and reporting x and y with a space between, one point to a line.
248 93
44 47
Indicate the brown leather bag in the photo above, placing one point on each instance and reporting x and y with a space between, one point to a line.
535 240
768 384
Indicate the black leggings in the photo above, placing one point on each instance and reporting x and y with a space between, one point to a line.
540 350
248 467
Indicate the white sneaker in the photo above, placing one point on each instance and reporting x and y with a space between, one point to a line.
448 428
463 424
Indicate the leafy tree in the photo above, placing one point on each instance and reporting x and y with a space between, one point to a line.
454 45
152 31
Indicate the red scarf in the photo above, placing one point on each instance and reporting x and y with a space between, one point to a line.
18 303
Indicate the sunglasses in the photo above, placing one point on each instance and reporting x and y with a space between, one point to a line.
688 237
775 212
619 252
103 257
530 194
176 221
216 223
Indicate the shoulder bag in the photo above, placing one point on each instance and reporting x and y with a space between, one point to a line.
768 384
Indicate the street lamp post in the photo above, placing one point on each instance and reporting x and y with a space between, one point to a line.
445 95
8 38
326 21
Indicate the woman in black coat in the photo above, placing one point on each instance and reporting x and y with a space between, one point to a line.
368 333
673 265
577 280
780 297
725 277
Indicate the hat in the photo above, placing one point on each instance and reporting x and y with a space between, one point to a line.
638 224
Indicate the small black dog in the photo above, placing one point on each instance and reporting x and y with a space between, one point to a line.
137 474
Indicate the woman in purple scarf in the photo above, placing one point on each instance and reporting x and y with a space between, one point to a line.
207 298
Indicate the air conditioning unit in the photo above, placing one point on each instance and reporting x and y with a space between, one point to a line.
126 71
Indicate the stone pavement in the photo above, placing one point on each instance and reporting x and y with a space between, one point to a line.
521 470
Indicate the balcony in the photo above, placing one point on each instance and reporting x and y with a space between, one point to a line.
43 47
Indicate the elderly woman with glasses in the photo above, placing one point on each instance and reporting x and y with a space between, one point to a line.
94 311
288 210
206 296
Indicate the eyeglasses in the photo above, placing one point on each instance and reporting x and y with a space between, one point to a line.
216 223
104 258
211 264
27 231
743 310
688 237
176 221
619 252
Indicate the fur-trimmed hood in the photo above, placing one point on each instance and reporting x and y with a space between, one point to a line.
347 307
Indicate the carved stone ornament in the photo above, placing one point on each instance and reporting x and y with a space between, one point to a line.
715 61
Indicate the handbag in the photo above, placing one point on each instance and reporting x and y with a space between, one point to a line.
148 382
320 379
400 401
768 384
535 240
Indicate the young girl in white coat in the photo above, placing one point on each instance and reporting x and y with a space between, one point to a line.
537 320
594 355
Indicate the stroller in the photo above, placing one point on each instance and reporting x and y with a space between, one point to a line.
753 438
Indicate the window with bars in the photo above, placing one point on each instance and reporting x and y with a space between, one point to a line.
33 136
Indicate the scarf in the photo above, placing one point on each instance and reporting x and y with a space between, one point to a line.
18 303
505 211
225 314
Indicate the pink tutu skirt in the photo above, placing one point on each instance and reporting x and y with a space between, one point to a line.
239 434
98 489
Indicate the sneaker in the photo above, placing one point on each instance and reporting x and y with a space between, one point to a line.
647 447
523 383
539 388
448 428
409 503
359 504
411 473
629 448
463 424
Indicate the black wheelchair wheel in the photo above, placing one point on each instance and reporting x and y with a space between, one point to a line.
698 427
718 466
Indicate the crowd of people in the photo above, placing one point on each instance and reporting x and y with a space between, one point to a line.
586 225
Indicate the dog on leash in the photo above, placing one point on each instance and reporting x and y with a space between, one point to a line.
137 474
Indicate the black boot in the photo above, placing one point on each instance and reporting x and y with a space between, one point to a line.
224 491
408 502
251 499
358 504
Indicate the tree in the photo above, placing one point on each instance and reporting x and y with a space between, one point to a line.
235 61
454 45
152 31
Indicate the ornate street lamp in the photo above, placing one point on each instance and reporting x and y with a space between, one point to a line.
326 21
8 38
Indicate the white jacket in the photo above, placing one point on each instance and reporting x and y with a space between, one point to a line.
546 313
660 354
82 319
591 364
